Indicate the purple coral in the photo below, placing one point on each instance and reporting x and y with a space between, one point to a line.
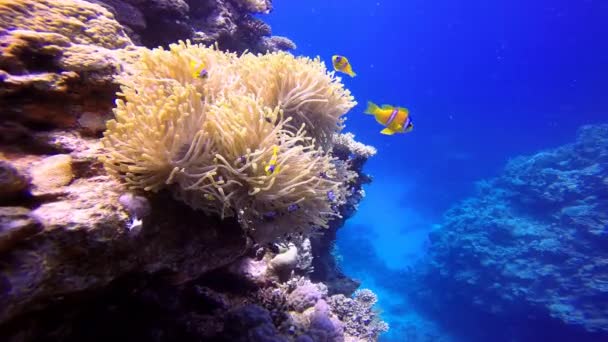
304 297
323 327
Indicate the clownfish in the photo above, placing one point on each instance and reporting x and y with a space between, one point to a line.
272 166
395 119
198 70
341 64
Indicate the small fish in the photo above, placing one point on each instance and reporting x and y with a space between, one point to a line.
331 196
272 166
199 70
395 119
293 207
341 64
269 215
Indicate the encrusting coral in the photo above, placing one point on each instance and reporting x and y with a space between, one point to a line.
231 140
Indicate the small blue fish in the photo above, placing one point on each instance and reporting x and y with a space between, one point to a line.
269 215
331 196
293 207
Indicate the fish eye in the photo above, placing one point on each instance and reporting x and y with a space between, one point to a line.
338 58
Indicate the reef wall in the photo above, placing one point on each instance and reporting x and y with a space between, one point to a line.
229 23
87 242
529 249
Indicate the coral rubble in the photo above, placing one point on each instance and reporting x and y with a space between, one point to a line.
530 246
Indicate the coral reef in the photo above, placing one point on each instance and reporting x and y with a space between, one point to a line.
57 61
220 306
229 23
75 235
529 247
325 269
353 311
82 249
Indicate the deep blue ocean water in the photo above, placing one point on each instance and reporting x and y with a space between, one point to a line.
484 81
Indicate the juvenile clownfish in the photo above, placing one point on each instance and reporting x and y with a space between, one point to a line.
395 119
198 70
341 64
272 166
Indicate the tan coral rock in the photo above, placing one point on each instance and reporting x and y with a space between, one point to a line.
52 173
81 239
55 57
80 21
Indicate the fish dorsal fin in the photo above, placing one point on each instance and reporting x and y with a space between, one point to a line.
404 109
385 106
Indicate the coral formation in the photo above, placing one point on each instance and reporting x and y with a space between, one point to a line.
532 240
80 250
205 309
211 139
230 23
57 59
360 308
353 156
51 173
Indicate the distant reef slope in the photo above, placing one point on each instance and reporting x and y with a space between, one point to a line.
527 256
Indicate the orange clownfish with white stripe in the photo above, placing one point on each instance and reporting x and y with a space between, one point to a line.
395 119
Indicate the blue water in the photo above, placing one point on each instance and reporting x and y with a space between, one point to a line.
484 81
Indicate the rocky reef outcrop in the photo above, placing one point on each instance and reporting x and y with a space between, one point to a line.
58 60
530 248
231 24
81 251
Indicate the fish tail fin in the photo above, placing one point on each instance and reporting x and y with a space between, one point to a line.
351 73
372 108
409 128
